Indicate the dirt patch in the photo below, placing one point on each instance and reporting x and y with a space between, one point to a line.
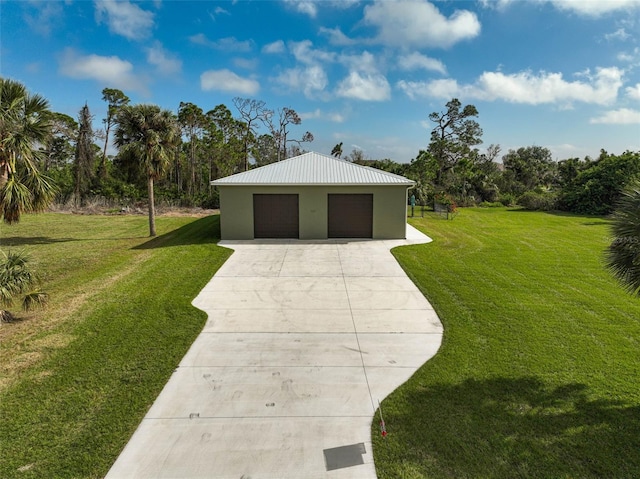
138 209
191 212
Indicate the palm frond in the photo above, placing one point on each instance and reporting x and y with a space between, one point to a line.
15 276
42 190
25 123
623 254
15 199
35 299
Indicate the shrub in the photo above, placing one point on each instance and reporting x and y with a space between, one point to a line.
211 202
491 204
507 199
596 189
534 201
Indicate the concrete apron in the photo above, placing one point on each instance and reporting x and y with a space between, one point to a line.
303 339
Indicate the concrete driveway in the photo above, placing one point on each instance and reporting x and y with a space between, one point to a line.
303 339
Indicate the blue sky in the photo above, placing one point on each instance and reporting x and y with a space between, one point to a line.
563 74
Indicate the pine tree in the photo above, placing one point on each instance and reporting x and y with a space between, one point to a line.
83 166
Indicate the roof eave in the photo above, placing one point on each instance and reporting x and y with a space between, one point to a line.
215 183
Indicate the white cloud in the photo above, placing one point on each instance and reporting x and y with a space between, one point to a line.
633 92
417 61
311 80
108 71
226 80
319 114
201 39
343 4
567 150
275 47
305 53
226 44
629 57
310 7
445 88
595 8
525 87
620 34
368 87
419 23
125 18
303 6
165 62
309 76
45 17
497 4
365 62
622 116
583 7
336 37
246 63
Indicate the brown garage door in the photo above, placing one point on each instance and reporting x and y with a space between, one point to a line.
275 216
350 216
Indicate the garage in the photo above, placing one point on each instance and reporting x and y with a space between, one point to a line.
350 216
313 197
275 216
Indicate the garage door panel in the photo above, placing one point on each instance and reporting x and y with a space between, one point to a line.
275 216
350 216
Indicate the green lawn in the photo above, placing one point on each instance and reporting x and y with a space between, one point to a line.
538 374
78 377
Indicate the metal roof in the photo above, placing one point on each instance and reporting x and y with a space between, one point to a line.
313 169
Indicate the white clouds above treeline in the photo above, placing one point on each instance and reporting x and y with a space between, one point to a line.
226 80
107 70
407 24
165 62
622 116
525 87
329 57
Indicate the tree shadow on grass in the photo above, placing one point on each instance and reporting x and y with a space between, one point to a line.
504 428
202 231
32 240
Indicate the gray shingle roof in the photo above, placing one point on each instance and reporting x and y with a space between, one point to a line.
313 169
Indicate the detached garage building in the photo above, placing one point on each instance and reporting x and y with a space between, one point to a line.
313 196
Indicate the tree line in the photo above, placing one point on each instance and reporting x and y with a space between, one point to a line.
193 147
46 155
174 157
453 170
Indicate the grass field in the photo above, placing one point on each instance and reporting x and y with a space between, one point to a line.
77 378
538 372
537 375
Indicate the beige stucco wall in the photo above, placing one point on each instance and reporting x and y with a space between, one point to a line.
389 209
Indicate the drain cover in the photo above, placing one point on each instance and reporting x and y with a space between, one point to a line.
344 456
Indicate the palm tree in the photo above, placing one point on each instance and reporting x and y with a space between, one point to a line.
25 123
623 255
148 134
337 150
15 280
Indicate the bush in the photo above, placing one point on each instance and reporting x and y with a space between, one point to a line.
507 199
534 201
491 204
211 202
596 189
